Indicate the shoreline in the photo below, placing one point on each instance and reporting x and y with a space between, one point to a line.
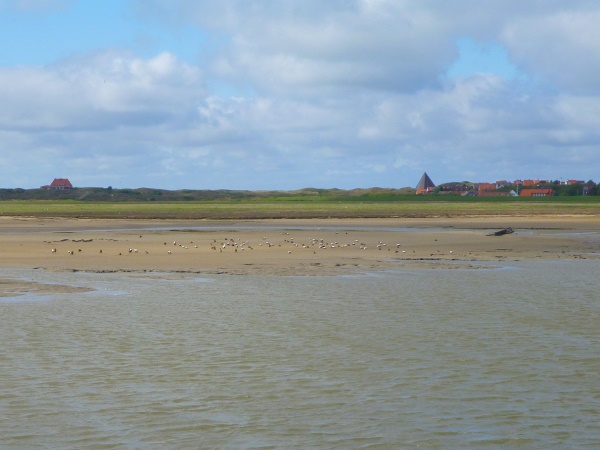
301 247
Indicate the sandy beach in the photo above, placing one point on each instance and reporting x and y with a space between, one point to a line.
287 247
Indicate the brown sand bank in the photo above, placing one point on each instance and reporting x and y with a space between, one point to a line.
290 247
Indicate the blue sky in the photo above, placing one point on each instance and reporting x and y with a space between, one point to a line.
482 57
262 94
55 30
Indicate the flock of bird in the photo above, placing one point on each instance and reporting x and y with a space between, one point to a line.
289 243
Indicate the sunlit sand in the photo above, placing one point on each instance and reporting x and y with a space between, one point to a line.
289 247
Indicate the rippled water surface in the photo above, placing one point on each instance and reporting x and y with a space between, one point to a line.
491 358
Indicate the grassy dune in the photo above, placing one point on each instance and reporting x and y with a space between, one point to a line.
271 208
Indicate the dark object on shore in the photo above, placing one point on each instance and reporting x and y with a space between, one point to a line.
508 230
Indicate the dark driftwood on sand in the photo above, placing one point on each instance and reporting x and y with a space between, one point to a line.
502 232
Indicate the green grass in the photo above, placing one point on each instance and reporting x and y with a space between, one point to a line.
304 207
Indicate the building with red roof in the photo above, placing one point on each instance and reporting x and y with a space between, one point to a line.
59 184
485 187
537 193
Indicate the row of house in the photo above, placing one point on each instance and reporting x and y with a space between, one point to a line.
522 188
537 192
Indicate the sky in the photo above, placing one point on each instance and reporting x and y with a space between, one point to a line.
290 94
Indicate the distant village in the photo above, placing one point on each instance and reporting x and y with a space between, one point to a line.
503 188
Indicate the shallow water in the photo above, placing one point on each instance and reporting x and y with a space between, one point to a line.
491 358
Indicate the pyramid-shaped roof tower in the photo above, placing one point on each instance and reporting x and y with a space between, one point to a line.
425 184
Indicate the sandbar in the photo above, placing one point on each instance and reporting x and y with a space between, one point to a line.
296 247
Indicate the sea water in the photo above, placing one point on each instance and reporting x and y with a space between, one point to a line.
502 357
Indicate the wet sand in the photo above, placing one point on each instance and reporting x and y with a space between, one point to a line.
10 287
289 247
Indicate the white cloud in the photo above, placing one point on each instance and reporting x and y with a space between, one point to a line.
107 90
314 45
560 48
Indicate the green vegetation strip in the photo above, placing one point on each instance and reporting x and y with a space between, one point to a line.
299 208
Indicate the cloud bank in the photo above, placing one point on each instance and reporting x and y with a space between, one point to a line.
287 94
